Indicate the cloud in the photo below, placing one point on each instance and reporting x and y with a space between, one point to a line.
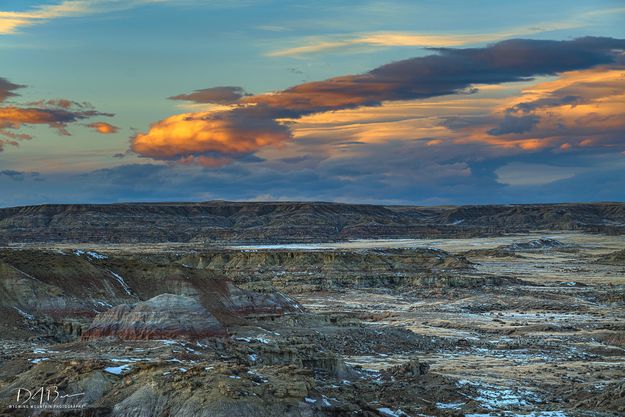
11 22
432 40
12 117
519 173
214 95
56 113
514 124
405 39
209 138
7 89
103 128
15 175
265 120
580 109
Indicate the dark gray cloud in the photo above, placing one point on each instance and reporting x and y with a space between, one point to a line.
514 124
450 71
19 175
7 89
554 101
215 95
396 172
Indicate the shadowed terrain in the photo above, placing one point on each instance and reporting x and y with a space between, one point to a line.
231 222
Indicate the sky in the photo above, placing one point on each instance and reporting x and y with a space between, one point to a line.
373 101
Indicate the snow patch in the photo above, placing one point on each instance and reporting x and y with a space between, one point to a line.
121 282
254 339
118 370
385 411
449 406
24 314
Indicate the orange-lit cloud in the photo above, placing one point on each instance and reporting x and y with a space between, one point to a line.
264 120
192 137
103 128
56 113
579 109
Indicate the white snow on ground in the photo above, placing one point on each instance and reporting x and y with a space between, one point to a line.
24 314
449 406
385 411
44 350
121 282
511 414
254 339
118 370
103 304
39 360
91 254
497 398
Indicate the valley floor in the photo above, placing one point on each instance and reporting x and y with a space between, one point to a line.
548 342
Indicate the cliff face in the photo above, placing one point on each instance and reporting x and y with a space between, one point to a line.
291 221
305 270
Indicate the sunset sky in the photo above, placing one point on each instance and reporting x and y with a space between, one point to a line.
392 102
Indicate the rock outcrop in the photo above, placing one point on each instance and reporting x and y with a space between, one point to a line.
543 243
293 270
614 258
166 316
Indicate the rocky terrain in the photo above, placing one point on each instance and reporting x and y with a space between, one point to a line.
528 324
230 222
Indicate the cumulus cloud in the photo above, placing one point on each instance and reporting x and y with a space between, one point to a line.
214 95
209 138
263 120
103 128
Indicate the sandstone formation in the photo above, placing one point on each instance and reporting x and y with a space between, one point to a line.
165 316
